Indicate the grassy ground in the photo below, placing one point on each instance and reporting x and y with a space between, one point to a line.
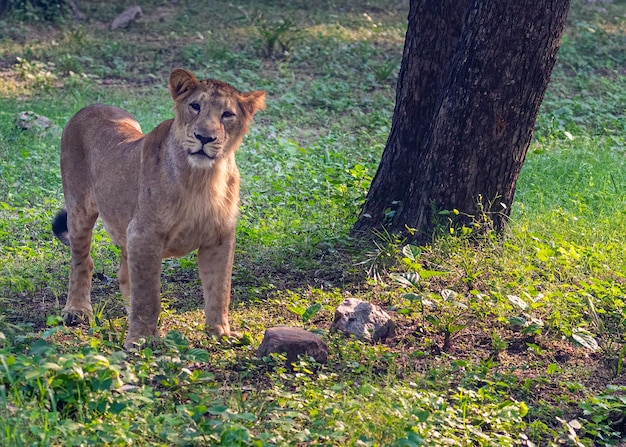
516 339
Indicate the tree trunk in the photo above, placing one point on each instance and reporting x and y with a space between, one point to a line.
472 78
433 32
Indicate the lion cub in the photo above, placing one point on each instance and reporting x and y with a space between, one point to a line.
159 195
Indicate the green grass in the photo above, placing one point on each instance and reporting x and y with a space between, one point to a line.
500 338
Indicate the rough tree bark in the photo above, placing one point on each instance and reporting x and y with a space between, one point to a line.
472 79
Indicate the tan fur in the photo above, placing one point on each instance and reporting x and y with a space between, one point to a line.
163 194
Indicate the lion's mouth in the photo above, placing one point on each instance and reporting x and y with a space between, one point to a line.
202 154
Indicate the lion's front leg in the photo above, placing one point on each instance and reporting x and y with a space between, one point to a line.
215 263
144 268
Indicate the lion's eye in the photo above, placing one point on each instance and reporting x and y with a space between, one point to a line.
195 106
228 114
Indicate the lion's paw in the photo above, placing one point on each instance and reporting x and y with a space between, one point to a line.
223 333
74 317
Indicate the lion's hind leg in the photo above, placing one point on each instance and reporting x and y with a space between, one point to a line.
80 227
124 279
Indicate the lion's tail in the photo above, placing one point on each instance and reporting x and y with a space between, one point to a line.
59 227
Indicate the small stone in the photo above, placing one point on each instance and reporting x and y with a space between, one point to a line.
31 120
364 320
126 18
293 342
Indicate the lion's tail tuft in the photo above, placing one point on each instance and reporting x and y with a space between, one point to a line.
59 227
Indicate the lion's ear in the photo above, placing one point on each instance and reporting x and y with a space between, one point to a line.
252 102
181 82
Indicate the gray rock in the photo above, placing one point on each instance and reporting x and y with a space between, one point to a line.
126 18
31 120
364 320
293 342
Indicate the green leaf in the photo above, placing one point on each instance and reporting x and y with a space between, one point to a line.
250 417
408 279
175 339
54 320
311 311
584 338
412 439
117 407
411 251
517 301
35 373
235 435
51 331
422 415
218 409
425 274
246 339
448 294
454 328
518 321
545 253
412 297
533 329
523 409
197 355
433 319
41 347
298 310
535 348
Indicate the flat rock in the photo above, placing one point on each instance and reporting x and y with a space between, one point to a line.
126 18
364 320
31 120
293 342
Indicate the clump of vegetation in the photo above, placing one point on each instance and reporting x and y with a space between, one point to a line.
37 10
509 339
276 35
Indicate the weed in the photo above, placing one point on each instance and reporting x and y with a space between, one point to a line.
608 324
604 416
38 10
35 74
498 344
383 256
283 33
383 71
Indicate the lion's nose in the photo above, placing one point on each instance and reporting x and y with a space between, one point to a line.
204 140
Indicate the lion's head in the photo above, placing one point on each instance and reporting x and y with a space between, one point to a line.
212 117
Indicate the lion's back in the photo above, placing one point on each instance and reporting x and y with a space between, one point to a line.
100 161
99 123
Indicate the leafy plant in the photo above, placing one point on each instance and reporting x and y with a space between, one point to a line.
283 33
383 71
498 344
529 325
447 312
604 416
37 10
609 327
306 314
35 73
383 255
